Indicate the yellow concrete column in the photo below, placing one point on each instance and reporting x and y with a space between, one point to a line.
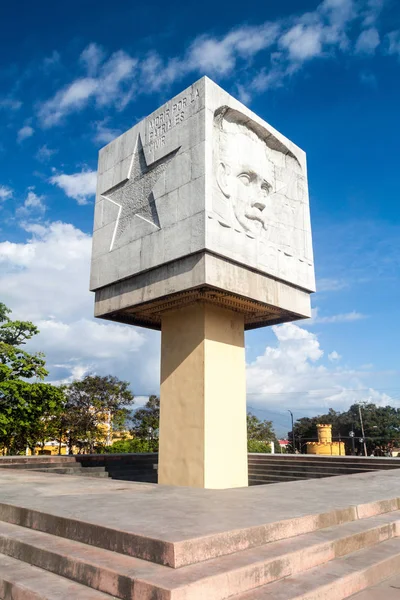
203 436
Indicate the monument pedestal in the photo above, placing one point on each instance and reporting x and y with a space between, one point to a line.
203 436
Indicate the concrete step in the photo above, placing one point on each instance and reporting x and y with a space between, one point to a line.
370 466
389 589
291 476
131 578
336 580
20 581
42 465
325 463
45 458
137 478
76 472
340 470
374 463
62 512
71 469
130 469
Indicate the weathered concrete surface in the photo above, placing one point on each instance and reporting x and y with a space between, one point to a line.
336 579
178 526
64 536
19 581
387 590
216 579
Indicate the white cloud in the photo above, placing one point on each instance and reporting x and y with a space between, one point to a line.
328 284
69 99
292 374
79 186
118 69
394 42
46 280
92 56
16 255
219 55
155 73
372 12
25 132
105 134
107 88
368 41
10 103
5 193
51 61
45 153
287 43
97 340
339 318
303 42
33 204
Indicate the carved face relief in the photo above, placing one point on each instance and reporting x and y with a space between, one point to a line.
245 177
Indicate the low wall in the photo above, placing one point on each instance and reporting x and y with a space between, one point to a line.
263 468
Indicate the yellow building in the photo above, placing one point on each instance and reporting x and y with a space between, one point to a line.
325 444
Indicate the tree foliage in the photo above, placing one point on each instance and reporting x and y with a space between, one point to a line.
258 446
136 445
146 420
381 426
94 406
26 408
260 434
260 430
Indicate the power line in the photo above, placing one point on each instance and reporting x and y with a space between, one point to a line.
320 391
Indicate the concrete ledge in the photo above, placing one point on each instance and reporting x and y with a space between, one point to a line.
141 299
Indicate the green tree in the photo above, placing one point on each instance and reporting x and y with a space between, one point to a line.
26 408
146 420
137 445
381 426
92 406
259 431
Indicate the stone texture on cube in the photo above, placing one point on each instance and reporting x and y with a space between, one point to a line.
202 176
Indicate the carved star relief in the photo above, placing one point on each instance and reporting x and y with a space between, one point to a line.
134 197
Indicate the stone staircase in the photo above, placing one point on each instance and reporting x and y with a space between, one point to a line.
328 556
125 467
263 468
62 465
278 468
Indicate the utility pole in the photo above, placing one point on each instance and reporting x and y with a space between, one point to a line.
293 440
362 430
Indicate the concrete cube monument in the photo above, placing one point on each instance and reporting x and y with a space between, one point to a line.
202 229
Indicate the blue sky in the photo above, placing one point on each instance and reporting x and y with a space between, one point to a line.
326 74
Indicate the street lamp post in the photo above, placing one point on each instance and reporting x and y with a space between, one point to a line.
351 434
293 440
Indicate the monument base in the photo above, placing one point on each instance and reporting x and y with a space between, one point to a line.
76 537
203 436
